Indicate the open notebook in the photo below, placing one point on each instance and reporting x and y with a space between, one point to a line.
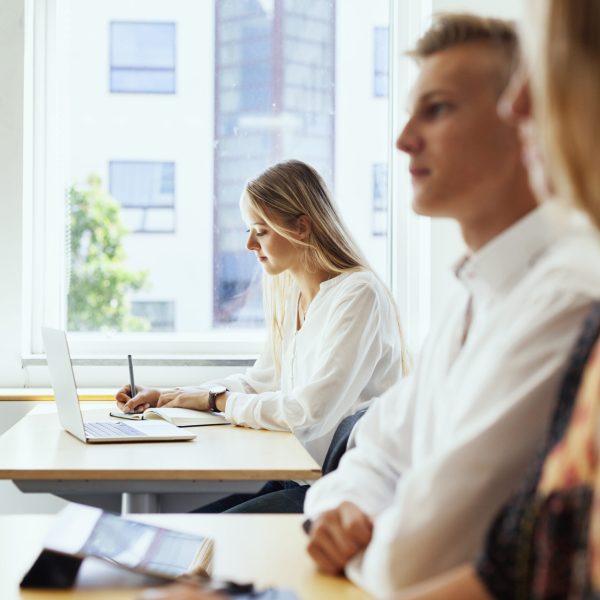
182 417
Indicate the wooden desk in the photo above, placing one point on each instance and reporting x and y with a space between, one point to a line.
266 549
40 457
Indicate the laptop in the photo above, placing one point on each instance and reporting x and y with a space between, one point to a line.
69 410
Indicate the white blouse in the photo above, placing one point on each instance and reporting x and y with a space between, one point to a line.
347 352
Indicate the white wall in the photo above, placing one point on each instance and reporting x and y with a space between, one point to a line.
11 148
507 9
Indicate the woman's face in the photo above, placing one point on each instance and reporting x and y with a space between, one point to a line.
275 253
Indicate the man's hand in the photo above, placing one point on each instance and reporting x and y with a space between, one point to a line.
338 535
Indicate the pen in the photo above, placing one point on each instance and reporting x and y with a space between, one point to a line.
131 380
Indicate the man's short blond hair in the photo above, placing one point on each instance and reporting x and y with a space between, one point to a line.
449 30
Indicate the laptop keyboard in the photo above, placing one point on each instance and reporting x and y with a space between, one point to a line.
107 429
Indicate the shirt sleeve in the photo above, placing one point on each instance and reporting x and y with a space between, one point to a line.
436 515
368 473
346 361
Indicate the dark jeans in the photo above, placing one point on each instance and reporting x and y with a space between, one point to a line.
273 497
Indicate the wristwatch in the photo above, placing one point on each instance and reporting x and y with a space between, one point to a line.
213 394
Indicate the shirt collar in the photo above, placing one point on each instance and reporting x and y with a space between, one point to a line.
496 266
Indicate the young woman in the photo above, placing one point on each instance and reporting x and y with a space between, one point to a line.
334 340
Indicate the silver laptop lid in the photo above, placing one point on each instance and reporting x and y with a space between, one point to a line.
63 381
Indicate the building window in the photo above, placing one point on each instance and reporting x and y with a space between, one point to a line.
142 57
380 199
146 192
380 62
274 100
159 314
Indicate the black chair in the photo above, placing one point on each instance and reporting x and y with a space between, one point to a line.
291 499
339 442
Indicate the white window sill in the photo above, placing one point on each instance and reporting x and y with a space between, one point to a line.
241 361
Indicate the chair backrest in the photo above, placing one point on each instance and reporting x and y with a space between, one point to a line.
339 442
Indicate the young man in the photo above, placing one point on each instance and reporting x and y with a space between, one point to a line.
436 455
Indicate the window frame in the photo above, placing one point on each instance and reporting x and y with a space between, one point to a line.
411 280
37 108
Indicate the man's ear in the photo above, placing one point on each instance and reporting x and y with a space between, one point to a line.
303 226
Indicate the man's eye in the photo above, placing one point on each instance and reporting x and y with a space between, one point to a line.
435 110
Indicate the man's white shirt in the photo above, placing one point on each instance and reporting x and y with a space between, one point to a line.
437 454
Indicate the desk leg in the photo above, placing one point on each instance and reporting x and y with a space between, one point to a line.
138 503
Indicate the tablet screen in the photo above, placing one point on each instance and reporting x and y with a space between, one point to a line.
86 531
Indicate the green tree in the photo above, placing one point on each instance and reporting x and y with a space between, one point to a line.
100 282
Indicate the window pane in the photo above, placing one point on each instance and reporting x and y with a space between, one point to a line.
142 81
159 178
143 183
142 57
146 193
380 62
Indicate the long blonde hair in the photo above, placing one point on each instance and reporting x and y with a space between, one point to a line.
565 83
279 196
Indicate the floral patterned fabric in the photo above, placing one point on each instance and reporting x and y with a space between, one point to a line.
544 544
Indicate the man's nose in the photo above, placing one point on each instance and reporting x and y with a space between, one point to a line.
409 140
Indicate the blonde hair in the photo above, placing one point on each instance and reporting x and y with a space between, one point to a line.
455 29
279 196
565 83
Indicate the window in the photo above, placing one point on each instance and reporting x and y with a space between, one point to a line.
257 82
146 192
159 315
380 199
142 57
274 98
380 62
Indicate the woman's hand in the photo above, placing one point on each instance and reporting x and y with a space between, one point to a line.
190 397
144 398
